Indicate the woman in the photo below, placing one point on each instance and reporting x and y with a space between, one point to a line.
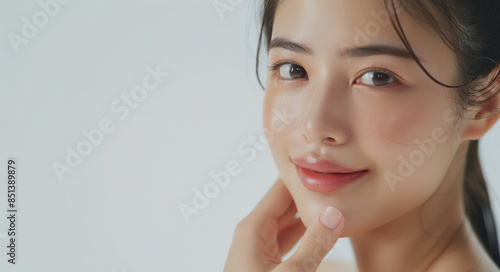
385 103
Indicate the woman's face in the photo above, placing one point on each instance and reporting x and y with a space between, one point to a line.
366 109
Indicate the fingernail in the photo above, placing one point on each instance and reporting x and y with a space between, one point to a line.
330 217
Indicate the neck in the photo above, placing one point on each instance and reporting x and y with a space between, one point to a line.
426 235
405 243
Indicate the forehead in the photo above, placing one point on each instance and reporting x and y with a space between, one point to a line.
327 26
334 20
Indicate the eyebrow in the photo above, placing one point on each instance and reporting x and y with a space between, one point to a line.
364 51
290 46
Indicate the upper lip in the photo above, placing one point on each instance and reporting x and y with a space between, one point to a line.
321 165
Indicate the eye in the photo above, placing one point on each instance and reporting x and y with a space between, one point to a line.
376 78
290 70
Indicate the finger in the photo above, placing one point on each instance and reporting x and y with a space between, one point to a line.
290 236
318 240
288 218
276 202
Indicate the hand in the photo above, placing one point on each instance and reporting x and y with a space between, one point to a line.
271 230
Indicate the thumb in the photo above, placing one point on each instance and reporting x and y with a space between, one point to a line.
318 240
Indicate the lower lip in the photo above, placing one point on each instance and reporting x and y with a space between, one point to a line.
326 183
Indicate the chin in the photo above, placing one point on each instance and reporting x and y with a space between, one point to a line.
355 223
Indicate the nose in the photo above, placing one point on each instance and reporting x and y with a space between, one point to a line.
325 114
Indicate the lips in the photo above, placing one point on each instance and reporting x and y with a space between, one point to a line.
320 175
322 165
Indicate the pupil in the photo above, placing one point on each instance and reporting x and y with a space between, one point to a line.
380 78
295 71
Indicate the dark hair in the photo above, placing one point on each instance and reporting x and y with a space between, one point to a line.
471 29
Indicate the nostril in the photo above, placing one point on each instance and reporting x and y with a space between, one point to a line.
330 140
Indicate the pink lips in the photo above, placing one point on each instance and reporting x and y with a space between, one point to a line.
325 176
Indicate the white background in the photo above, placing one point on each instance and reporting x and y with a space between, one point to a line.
118 209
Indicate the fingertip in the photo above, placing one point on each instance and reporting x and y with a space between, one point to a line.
331 217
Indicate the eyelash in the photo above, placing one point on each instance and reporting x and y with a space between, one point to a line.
276 65
380 70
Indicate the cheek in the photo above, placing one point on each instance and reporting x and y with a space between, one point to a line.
406 171
399 126
406 116
280 112
399 123
396 129
280 117
392 125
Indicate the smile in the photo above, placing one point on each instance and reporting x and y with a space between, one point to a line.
326 182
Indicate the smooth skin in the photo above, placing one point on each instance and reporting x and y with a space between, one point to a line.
417 223
271 230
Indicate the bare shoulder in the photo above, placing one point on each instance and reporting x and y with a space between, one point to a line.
329 266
